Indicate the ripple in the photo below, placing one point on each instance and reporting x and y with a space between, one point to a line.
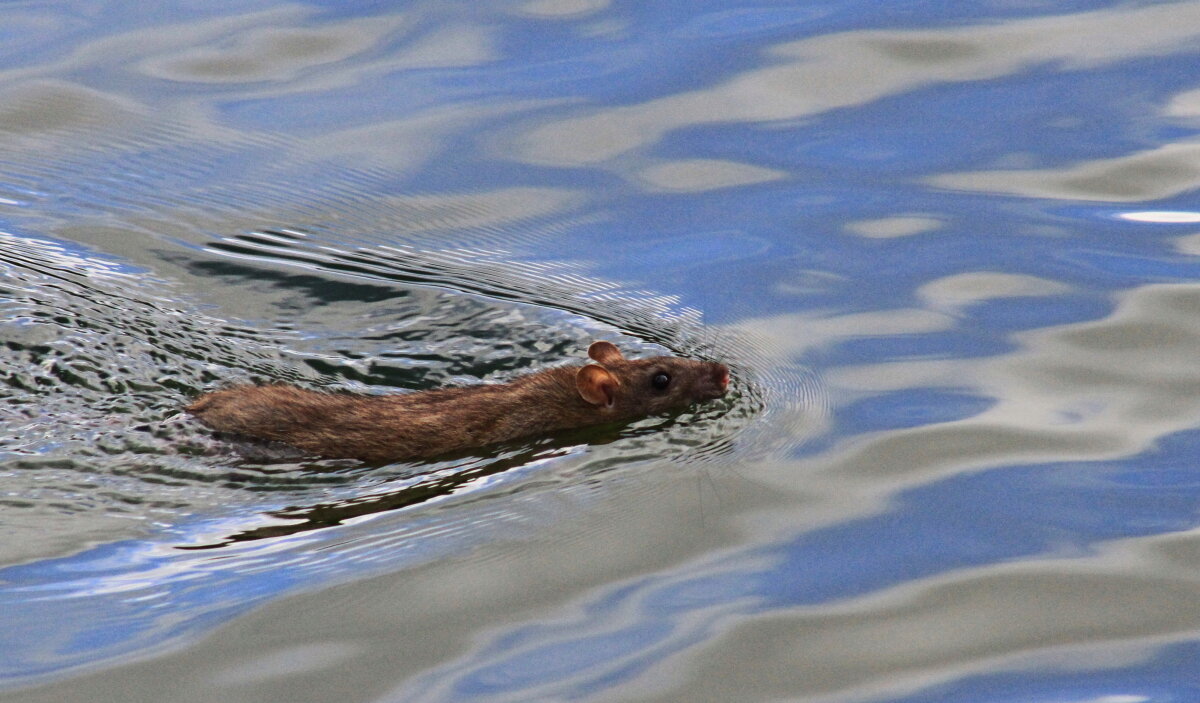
179 258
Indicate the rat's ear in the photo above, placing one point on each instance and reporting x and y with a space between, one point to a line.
596 385
605 352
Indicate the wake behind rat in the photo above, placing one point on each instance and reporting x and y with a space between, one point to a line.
386 428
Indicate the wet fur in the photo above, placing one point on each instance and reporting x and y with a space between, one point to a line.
424 424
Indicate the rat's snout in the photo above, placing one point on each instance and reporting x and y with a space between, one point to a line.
716 381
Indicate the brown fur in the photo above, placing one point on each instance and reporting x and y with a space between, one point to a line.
387 428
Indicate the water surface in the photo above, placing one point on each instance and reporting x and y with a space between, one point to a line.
949 252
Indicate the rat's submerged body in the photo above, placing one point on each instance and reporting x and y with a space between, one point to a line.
424 424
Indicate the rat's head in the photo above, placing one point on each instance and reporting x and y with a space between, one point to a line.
628 388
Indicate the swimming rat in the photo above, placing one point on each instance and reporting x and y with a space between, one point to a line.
386 428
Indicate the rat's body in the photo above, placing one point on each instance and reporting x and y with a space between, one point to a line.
417 425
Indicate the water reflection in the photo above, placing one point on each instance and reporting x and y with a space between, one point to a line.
1156 174
825 73
970 223
893 603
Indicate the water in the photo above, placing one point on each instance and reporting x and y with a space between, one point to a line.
948 249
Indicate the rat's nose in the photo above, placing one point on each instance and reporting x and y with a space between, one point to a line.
723 377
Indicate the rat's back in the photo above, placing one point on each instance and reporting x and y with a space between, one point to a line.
378 428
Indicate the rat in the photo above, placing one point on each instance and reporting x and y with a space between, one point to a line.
423 424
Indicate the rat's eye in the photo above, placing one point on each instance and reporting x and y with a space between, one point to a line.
660 381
